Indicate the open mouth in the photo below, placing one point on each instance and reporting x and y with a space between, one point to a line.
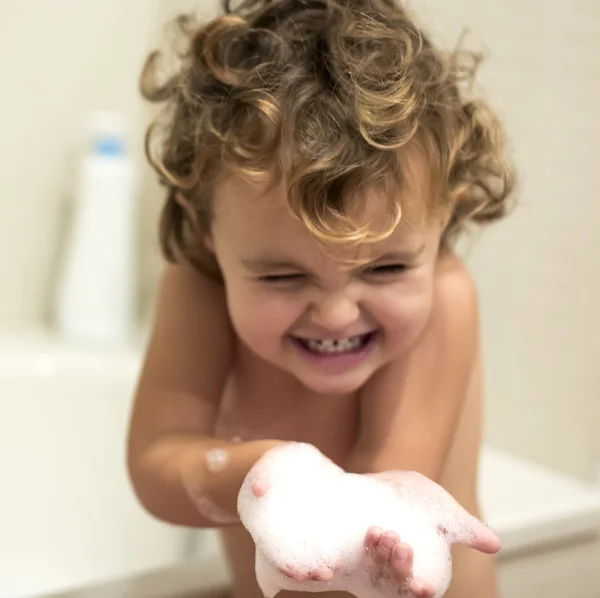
342 346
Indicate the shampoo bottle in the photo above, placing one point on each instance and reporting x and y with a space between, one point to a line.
96 291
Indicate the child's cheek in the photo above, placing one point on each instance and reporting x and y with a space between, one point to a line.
260 318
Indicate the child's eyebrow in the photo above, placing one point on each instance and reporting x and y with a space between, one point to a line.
260 265
401 256
266 264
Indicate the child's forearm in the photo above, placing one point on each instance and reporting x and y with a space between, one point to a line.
176 480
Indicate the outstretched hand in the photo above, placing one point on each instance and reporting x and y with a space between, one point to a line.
395 557
386 556
317 528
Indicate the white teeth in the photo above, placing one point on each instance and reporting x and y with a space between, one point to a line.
335 346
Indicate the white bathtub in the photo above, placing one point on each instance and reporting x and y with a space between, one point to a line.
68 517
67 514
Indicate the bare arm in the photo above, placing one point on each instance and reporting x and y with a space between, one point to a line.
426 416
474 573
410 411
176 403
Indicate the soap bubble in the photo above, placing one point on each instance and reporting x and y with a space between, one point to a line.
314 515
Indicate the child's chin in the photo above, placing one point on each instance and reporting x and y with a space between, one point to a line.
348 383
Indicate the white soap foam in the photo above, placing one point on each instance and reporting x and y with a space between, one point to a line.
313 514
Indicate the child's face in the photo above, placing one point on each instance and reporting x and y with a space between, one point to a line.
327 322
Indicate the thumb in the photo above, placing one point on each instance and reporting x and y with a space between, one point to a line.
463 528
459 526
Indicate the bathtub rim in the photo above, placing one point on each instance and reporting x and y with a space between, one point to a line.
561 508
40 354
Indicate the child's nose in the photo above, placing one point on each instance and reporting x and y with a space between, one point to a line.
335 313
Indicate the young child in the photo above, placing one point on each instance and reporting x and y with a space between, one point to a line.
320 158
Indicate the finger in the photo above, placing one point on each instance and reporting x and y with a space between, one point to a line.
323 574
259 488
460 525
477 535
402 561
373 537
421 589
383 551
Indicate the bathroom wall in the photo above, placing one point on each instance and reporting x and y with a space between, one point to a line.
537 272
58 60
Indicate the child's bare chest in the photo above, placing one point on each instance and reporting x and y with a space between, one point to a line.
260 401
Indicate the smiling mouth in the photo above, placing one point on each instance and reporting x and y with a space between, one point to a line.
342 346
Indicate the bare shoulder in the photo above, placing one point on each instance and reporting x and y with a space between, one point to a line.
457 311
450 341
191 332
455 307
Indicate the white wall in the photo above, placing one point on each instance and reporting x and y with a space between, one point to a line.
537 273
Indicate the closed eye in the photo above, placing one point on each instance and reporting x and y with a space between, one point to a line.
278 278
387 269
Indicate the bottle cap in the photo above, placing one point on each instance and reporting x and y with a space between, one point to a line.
107 132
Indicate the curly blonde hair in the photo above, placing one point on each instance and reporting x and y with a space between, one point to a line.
330 95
